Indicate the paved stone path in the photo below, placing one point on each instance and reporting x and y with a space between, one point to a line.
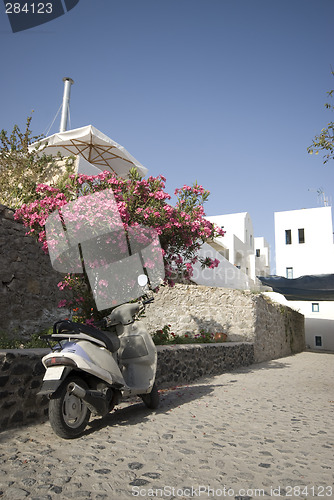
265 431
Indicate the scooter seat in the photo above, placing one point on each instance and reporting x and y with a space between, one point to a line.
110 339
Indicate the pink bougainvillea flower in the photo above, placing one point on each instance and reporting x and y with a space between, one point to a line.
140 202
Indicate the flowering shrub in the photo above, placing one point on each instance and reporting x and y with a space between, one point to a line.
181 229
21 169
164 336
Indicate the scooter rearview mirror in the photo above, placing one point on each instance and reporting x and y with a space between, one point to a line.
142 280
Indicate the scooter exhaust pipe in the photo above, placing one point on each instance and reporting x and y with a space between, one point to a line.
95 400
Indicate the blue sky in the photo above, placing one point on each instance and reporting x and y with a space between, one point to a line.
228 93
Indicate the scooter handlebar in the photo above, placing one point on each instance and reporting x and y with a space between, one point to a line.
125 313
103 323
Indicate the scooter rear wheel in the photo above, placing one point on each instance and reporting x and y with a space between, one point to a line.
151 399
68 414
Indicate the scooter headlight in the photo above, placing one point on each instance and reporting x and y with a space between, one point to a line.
60 360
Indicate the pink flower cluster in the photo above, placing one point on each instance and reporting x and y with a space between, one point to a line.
182 228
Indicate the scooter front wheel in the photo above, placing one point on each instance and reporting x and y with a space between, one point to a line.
68 414
151 399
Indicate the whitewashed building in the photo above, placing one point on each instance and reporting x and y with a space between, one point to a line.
304 245
242 256
262 256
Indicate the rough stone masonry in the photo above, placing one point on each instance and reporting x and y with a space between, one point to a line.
244 316
21 374
29 295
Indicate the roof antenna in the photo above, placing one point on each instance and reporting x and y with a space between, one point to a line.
66 103
321 194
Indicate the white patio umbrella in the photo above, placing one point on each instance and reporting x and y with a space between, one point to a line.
92 145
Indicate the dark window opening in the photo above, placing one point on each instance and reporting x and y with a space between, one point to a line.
258 253
318 341
301 235
288 239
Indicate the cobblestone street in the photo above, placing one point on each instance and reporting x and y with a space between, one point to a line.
265 431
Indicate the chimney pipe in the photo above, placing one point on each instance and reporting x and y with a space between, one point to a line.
66 103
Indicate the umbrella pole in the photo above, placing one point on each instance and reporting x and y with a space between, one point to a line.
66 103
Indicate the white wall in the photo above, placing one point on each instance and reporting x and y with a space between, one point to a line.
226 275
239 240
316 323
239 224
314 256
262 263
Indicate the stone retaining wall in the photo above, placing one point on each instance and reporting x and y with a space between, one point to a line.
244 316
182 364
28 303
29 295
21 374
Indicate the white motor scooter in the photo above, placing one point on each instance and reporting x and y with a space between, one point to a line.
90 370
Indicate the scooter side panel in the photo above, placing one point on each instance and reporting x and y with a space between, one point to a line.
138 358
92 359
104 359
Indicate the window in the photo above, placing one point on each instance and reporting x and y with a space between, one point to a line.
289 273
258 252
318 341
301 235
288 239
315 307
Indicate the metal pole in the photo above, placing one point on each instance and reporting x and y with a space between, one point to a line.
66 103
